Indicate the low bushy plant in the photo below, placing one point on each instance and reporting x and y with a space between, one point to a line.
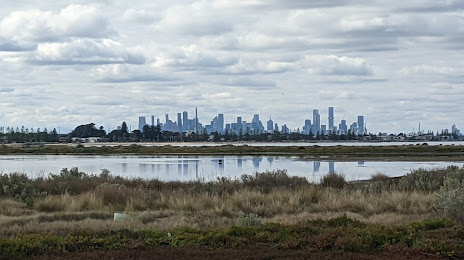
17 186
452 204
333 180
250 220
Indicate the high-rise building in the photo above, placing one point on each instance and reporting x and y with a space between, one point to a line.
331 118
142 123
220 123
343 127
316 127
307 127
179 122
323 130
361 125
153 120
270 125
185 123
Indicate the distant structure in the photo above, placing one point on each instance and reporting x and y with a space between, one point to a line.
270 125
142 122
361 125
331 118
316 127
179 122
254 127
196 121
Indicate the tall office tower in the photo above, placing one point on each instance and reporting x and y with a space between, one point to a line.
152 120
276 127
361 126
323 129
307 127
285 129
270 125
255 121
196 121
343 127
158 122
316 122
142 123
167 118
185 121
331 118
179 122
239 124
220 123
354 129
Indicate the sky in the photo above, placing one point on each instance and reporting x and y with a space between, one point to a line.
398 63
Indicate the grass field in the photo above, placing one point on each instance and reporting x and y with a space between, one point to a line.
403 152
73 211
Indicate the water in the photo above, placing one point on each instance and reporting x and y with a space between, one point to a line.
188 167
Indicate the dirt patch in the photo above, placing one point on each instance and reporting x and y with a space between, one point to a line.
247 252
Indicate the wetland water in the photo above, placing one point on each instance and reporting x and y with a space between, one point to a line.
191 167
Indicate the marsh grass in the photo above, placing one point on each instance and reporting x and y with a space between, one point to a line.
270 196
333 180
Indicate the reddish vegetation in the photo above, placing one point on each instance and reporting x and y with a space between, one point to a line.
247 252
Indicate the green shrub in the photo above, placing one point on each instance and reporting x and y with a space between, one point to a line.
17 186
431 224
250 220
452 204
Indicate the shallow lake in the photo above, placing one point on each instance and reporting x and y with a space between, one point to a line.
207 167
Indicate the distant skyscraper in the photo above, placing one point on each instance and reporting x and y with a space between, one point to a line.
270 125
331 118
343 127
323 129
179 122
361 125
316 122
220 123
185 121
152 120
142 123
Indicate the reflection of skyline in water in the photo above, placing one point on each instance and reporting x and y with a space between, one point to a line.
316 166
207 167
331 167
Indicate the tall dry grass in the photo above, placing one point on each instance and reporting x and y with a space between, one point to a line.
273 196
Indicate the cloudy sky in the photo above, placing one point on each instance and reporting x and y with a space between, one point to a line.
398 63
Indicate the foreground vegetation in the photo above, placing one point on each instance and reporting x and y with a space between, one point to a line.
402 152
73 211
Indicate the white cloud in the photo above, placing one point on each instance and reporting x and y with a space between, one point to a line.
37 25
85 51
197 19
191 57
333 65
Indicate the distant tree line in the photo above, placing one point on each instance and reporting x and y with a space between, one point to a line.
25 135
156 134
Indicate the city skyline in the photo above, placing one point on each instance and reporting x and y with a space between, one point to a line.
72 62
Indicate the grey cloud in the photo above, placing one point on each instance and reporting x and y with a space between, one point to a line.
6 90
140 16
